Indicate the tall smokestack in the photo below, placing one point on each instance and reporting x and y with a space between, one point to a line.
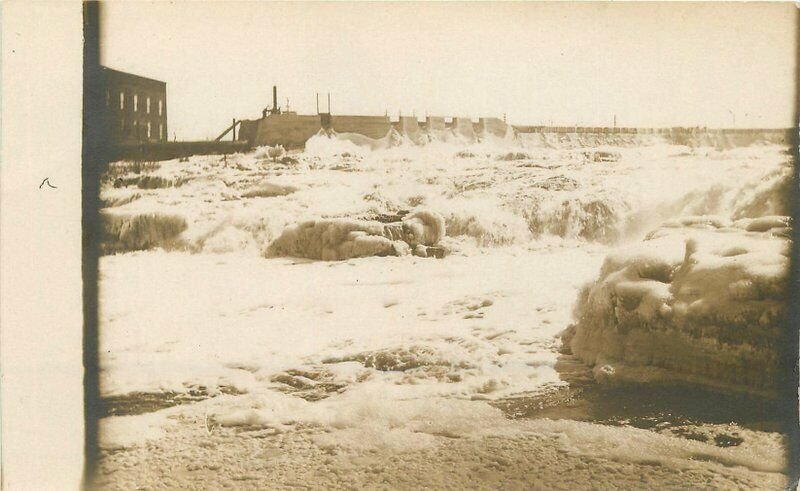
275 98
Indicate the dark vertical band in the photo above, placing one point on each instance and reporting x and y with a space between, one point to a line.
792 333
93 156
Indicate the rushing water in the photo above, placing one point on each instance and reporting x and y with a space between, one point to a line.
394 352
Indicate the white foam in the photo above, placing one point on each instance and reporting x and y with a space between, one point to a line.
406 348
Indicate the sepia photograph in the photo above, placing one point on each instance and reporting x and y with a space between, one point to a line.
444 245
438 245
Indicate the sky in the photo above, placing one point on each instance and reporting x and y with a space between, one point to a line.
648 64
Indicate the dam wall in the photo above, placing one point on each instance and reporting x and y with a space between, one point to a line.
408 126
492 126
464 129
689 136
675 131
292 130
737 137
289 130
371 126
437 129
435 123
248 129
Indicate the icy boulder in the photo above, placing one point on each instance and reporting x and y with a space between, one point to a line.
125 232
268 190
701 301
338 238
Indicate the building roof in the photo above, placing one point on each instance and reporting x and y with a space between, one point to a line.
125 77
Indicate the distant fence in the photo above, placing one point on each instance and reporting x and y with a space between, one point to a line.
174 150
678 130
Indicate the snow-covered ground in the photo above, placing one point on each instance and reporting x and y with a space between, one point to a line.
391 371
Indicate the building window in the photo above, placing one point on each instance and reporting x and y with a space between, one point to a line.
163 132
160 107
122 100
108 98
160 133
148 105
148 130
135 102
122 125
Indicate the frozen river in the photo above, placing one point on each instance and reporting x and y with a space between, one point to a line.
398 371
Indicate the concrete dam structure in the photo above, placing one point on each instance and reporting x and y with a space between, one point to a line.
292 130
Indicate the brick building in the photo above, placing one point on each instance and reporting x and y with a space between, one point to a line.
136 108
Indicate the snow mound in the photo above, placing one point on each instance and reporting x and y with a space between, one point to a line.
424 227
770 195
340 238
268 190
700 300
133 232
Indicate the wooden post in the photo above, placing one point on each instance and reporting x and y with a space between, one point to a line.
234 129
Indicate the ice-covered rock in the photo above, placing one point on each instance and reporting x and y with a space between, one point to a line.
700 300
268 190
341 238
124 232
